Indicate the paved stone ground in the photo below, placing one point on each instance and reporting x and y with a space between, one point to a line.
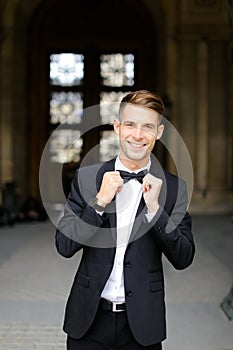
28 337
35 282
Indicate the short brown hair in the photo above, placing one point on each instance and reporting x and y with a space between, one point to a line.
144 98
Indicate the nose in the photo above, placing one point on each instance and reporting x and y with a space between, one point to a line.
138 132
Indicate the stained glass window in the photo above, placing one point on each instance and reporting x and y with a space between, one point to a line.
117 69
109 106
67 96
66 69
66 106
109 145
65 146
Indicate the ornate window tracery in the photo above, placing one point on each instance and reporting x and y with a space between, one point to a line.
66 69
67 101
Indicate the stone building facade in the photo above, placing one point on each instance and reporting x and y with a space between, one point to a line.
185 50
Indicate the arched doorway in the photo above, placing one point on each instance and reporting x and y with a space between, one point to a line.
93 33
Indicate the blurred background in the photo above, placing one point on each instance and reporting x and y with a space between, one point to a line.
57 58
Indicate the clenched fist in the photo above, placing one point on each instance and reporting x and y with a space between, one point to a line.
112 183
151 188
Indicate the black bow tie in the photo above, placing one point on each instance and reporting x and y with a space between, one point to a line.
126 176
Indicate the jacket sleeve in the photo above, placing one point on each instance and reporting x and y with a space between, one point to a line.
78 224
173 232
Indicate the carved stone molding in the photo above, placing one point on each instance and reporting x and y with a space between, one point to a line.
203 5
203 32
204 11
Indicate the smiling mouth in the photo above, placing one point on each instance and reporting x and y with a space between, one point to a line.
137 145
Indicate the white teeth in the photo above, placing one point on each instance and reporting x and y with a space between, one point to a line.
136 145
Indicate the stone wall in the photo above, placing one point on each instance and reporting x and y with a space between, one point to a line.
195 69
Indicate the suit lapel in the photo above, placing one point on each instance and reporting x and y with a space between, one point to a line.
108 166
141 211
111 207
157 171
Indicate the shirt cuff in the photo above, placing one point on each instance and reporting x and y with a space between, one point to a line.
150 216
99 212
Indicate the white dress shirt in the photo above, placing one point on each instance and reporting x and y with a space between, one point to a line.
127 202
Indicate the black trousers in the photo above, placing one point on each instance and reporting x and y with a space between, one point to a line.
109 331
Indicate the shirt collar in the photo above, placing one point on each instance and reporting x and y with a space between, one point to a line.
120 166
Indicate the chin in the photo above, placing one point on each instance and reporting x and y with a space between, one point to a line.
137 156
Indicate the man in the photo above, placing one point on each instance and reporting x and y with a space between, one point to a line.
124 214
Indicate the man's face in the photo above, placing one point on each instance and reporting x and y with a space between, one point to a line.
138 131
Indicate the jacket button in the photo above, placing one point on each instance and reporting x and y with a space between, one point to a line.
127 264
129 293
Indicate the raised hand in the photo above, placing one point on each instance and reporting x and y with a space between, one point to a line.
112 183
151 188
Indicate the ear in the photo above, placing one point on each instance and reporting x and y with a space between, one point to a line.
160 131
116 125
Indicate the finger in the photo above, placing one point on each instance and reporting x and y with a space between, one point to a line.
119 189
146 187
143 187
148 177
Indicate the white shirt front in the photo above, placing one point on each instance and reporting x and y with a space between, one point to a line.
127 202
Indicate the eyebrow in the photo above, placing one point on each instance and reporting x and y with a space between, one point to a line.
134 122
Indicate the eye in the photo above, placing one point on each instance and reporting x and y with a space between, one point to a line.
149 127
129 125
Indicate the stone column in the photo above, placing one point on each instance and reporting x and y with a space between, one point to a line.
218 117
13 122
202 118
172 79
230 117
6 106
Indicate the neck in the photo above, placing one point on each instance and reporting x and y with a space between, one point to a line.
133 164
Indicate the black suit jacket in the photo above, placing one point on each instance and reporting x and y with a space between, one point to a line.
81 227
